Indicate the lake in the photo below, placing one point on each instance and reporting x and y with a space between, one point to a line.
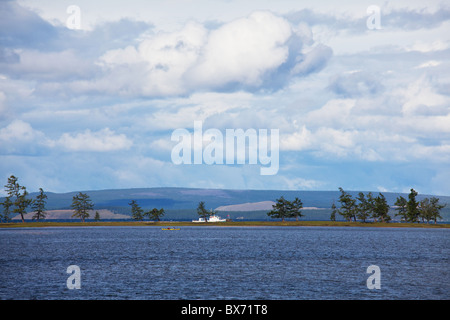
270 263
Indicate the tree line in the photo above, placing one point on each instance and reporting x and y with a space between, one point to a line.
137 213
18 201
283 209
363 207
367 206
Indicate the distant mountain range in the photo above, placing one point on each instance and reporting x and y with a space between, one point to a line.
181 203
254 206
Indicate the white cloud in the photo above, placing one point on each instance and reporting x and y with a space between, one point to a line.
301 183
243 51
431 63
426 46
19 137
247 53
100 141
18 130
420 97
409 122
434 153
297 141
165 58
324 141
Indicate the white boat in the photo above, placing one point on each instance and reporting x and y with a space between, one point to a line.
213 218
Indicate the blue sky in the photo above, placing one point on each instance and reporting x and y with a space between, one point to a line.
356 107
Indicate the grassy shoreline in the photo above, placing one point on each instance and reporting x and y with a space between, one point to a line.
222 224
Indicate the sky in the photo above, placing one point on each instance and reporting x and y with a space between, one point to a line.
92 91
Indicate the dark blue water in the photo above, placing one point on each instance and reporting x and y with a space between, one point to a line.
224 263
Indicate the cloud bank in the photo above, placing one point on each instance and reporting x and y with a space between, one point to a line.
358 108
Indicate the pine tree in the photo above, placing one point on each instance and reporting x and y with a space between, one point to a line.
23 203
7 204
155 214
365 206
18 196
38 205
348 207
381 208
333 212
436 207
12 188
412 207
81 204
286 209
202 212
401 204
425 210
295 209
136 211
281 209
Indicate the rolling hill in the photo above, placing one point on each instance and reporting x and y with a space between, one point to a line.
181 203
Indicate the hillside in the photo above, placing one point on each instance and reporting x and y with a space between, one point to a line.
188 198
181 203
249 206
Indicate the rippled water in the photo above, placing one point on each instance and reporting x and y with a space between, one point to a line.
224 263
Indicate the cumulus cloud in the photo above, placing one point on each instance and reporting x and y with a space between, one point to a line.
347 144
406 124
243 50
261 51
421 98
249 53
18 130
348 101
19 137
298 140
441 152
100 141
163 58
